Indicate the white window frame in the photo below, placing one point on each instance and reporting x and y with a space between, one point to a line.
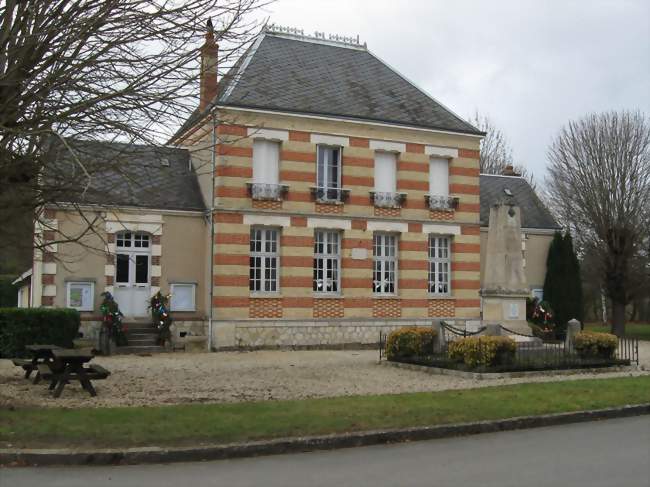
435 244
381 262
329 239
323 182
69 284
266 262
172 288
132 252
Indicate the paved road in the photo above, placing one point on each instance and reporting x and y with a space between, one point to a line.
607 453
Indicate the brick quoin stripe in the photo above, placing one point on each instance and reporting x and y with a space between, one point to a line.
359 142
298 221
464 189
232 238
231 259
467 230
230 150
412 184
359 225
415 148
465 248
415 227
465 266
464 171
223 129
358 161
469 153
229 218
294 241
299 136
468 303
297 156
235 171
309 177
413 166
358 181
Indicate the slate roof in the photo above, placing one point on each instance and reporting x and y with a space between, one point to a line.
298 75
124 175
534 213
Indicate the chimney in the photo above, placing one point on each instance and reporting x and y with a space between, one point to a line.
509 171
209 55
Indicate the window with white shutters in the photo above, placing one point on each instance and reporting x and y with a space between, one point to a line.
385 172
438 176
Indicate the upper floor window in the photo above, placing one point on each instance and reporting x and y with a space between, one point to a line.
385 194
328 174
264 260
384 263
266 170
439 264
327 261
439 184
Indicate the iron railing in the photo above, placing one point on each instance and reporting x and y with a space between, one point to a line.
528 355
265 191
440 202
330 195
387 200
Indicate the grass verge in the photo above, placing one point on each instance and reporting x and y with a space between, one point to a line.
197 424
640 331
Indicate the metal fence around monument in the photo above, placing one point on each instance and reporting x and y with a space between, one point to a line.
530 354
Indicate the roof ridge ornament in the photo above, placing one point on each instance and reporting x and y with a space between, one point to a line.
317 36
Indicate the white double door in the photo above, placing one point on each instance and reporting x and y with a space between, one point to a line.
132 284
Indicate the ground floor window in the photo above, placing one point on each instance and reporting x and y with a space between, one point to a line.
80 295
183 296
439 264
384 263
264 260
327 261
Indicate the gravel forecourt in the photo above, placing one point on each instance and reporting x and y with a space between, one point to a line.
182 378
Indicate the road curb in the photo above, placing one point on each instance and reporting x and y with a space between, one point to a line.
132 456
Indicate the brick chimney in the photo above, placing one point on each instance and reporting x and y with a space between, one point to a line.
209 56
509 171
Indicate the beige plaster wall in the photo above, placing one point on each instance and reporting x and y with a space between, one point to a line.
183 256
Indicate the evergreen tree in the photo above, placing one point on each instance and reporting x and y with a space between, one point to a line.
562 285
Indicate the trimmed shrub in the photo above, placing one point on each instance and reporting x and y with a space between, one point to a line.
410 341
24 326
590 344
483 351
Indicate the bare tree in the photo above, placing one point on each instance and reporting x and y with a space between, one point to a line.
109 70
599 177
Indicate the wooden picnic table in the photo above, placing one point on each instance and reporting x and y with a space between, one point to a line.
69 365
40 353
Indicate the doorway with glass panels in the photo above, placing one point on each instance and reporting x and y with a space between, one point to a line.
132 284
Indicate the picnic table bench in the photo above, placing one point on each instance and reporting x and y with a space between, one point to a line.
68 365
40 354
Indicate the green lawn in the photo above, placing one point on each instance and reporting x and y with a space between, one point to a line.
221 423
632 330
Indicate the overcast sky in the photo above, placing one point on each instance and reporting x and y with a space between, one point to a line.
530 66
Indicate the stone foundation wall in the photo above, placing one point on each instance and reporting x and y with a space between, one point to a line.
305 334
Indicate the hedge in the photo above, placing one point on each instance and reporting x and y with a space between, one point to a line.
24 326
591 344
483 351
410 341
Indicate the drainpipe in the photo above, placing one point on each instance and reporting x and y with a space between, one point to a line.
212 229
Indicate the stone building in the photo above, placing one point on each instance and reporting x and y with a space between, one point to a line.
315 197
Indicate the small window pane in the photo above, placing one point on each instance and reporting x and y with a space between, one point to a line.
122 268
141 269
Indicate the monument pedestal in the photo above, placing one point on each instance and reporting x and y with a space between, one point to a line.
505 288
